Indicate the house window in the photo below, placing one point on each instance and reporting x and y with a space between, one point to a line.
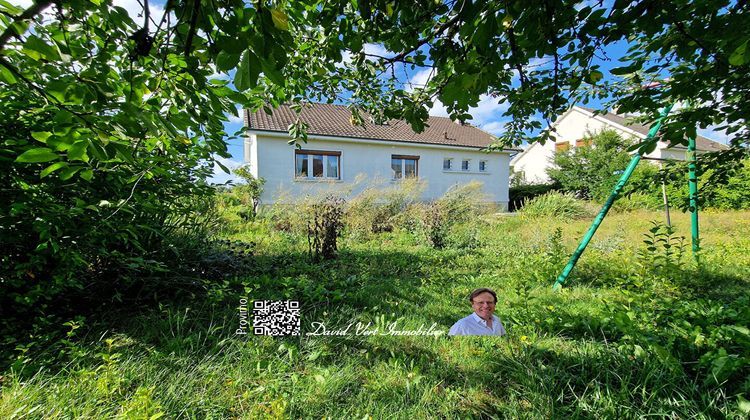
317 164
465 165
482 166
447 164
562 146
404 166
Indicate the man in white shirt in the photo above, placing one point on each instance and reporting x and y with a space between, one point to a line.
482 321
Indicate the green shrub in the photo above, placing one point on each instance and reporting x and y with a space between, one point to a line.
464 203
324 227
518 195
249 192
375 209
435 225
555 204
438 220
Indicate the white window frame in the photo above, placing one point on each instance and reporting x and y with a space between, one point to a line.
450 164
311 154
468 165
404 158
482 166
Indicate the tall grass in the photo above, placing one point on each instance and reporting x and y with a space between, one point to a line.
623 340
556 204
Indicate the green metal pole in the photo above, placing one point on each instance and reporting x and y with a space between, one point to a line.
693 184
651 138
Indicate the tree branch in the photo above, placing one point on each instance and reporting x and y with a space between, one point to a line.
192 29
27 14
439 30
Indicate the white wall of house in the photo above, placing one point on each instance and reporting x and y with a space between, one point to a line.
533 163
366 162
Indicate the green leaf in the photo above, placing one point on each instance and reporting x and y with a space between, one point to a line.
41 136
594 76
247 72
40 154
7 76
36 47
226 61
743 404
52 168
87 174
280 19
78 151
618 71
740 56
272 72
68 172
7 7
223 168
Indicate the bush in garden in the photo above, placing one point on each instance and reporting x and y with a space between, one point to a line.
249 192
464 203
460 206
592 170
436 225
324 227
555 204
376 208
637 201
520 194
86 227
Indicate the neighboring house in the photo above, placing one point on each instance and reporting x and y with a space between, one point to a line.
337 153
577 123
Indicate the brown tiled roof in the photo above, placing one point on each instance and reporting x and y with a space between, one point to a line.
701 143
335 120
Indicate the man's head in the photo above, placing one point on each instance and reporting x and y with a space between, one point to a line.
483 301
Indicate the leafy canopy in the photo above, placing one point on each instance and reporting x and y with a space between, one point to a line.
154 77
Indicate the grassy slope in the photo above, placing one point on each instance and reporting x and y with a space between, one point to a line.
564 355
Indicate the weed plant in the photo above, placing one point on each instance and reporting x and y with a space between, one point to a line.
556 204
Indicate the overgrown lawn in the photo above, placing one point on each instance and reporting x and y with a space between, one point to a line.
637 332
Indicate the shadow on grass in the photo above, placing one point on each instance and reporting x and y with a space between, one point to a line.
577 375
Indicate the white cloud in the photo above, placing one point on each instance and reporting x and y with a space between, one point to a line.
487 110
419 79
486 114
543 63
714 133
219 176
236 118
496 127
377 49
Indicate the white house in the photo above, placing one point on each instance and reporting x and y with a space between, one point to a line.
575 124
338 153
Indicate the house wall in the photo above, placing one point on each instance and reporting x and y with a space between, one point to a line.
365 162
674 154
577 124
534 163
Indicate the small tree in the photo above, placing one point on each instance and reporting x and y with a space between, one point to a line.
253 187
591 170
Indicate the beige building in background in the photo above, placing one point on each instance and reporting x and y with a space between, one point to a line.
573 126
